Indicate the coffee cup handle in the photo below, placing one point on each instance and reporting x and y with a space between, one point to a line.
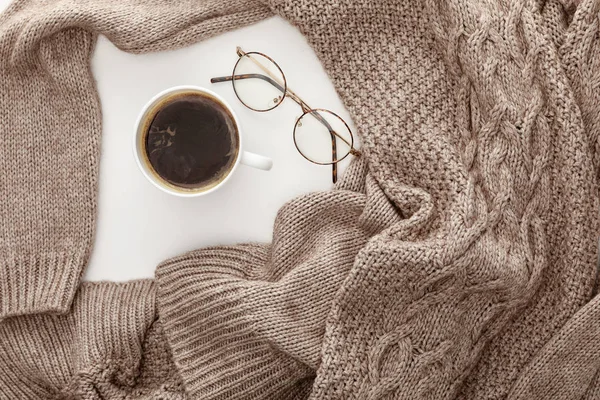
256 161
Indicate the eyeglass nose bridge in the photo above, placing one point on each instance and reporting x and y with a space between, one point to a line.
293 96
287 92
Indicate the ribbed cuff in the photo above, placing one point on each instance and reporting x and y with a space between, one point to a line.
216 347
43 283
112 319
102 346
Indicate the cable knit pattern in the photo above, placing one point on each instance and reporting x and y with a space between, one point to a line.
449 263
568 279
475 248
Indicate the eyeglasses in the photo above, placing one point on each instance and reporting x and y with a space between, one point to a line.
320 136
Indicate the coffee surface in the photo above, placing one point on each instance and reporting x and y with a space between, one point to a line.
192 141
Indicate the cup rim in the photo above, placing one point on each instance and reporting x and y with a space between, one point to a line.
137 132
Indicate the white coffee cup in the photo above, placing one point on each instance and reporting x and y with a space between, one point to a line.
244 157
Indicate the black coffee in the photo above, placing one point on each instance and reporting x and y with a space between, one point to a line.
191 140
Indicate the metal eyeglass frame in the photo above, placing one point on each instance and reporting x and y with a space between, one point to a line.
287 92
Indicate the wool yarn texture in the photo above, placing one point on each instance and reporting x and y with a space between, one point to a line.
455 260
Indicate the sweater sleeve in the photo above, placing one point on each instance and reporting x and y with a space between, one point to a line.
51 125
251 318
109 346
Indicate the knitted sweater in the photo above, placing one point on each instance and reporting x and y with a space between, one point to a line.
453 262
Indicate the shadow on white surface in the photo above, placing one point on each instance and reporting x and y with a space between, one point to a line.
140 226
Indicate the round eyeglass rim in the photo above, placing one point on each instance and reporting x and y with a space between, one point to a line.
335 115
278 67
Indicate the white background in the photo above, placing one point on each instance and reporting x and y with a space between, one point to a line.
138 225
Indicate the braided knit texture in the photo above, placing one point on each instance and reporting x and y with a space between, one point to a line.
452 261
472 128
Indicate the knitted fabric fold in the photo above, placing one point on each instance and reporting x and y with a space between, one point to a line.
471 128
251 318
450 262
51 125
109 346
559 41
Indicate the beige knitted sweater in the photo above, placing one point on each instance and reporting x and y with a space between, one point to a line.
457 261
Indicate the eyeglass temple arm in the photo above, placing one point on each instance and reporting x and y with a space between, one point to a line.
289 93
333 134
302 104
297 100
248 76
